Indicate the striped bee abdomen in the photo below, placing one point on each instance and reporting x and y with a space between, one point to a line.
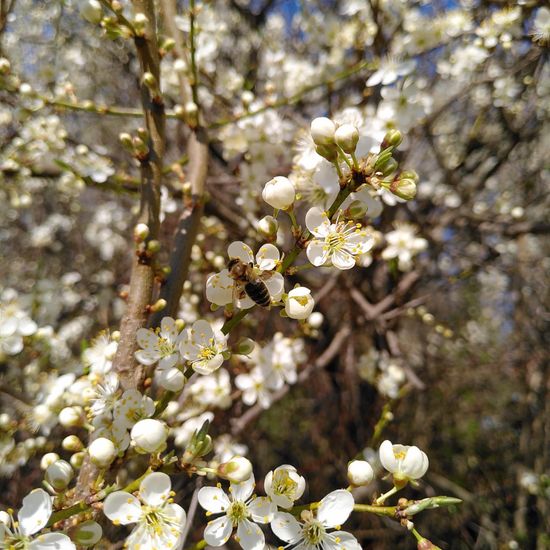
258 293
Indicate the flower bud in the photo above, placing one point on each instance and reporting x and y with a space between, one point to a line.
59 475
268 227
77 460
149 80
102 452
299 303
392 139
388 167
360 473
191 111
425 544
87 533
315 320
149 435
5 66
140 20
141 232
279 193
171 379
347 136
322 131
238 469
328 152
72 444
245 346
126 140
405 186
91 11
48 459
71 417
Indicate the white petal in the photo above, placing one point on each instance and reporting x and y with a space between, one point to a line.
240 250
146 338
168 328
35 512
242 491
275 285
316 252
335 508
359 242
342 260
202 333
317 221
154 490
208 366
415 463
145 357
262 510
250 536
387 456
213 499
219 288
122 507
27 326
218 531
341 540
52 541
375 78
286 527
267 257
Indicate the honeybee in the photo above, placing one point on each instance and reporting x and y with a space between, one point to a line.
247 281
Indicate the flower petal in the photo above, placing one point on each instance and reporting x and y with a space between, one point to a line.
219 288
317 252
387 456
168 328
240 250
218 531
342 259
250 536
35 512
262 509
341 540
242 491
317 221
213 499
154 490
122 508
52 541
335 508
275 285
286 527
208 366
267 257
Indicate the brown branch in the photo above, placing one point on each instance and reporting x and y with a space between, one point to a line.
142 277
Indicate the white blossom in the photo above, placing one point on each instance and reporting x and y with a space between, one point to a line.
284 485
403 461
203 346
160 522
241 511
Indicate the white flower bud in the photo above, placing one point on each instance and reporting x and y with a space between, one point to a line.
88 533
237 470
91 11
77 460
360 472
279 192
25 89
72 444
149 435
315 320
322 131
141 232
59 474
299 303
347 136
171 379
102 452
48 459
268 226
70 417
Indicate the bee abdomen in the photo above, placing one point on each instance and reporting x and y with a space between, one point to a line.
258 293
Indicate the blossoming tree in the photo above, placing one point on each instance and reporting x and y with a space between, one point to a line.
214 206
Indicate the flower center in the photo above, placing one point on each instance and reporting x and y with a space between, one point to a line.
283 484
157 522
313 532
165 347
335 241
237 512
207 353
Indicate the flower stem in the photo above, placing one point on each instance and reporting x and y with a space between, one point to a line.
382 498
